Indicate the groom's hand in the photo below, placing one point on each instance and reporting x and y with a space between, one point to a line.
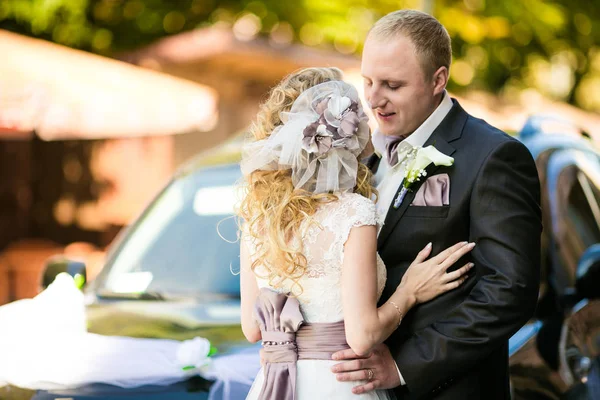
355 368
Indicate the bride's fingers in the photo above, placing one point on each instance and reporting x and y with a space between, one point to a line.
446 253
451 276
454 284
423 254
454 257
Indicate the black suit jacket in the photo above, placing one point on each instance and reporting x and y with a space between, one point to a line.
456 346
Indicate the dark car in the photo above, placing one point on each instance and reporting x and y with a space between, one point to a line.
556 355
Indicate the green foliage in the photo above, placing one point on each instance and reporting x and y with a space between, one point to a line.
499 45
63 21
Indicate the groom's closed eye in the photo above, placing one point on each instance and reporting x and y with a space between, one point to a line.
393 85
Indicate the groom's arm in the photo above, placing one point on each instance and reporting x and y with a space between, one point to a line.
506 225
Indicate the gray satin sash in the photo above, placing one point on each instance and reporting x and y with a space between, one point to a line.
287 339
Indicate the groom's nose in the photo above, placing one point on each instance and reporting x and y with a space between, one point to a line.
375 99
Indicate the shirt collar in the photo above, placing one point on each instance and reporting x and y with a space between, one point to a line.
423 132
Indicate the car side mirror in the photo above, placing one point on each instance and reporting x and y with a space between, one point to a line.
588 273
58 264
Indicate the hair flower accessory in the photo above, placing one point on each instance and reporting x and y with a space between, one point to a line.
319 140
336 107
336 127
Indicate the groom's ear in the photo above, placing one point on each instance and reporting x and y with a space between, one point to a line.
440 80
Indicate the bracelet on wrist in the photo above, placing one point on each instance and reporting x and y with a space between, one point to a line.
398 310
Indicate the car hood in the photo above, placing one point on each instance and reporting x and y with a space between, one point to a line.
217 321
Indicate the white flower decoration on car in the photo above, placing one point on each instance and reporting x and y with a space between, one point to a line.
193 353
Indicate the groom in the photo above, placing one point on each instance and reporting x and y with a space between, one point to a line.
456 346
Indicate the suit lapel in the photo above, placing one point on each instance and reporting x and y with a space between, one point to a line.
395 214
449 130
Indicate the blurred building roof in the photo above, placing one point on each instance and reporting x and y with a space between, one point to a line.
190 54
62 93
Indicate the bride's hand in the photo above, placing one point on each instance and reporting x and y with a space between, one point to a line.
426 279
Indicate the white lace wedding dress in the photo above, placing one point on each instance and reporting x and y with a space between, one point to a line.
321 300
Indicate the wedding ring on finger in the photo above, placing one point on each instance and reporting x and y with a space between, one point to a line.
371 374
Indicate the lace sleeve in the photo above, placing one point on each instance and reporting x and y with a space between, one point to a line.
358 211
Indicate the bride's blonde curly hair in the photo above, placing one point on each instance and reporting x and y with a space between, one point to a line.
273 210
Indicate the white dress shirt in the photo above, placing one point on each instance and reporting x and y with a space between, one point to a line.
388 178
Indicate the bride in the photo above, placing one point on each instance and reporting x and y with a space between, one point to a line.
310 274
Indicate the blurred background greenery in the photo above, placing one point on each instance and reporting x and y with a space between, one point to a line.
502 46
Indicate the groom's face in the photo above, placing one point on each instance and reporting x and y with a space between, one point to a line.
395 85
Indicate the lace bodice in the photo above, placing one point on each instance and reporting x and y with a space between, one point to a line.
323 247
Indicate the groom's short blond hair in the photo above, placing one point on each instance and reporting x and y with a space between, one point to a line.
430 38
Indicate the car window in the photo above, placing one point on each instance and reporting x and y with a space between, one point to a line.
186 242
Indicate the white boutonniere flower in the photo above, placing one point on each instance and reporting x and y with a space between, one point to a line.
425 156
416 168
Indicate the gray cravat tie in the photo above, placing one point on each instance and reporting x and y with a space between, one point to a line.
391 146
